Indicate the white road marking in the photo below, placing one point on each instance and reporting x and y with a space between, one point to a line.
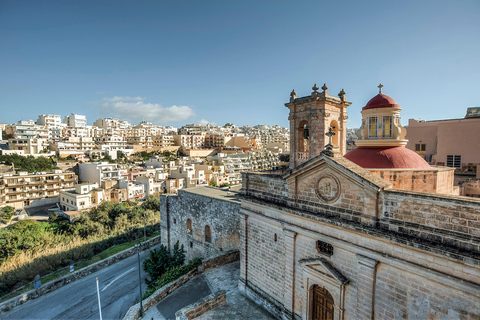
108 285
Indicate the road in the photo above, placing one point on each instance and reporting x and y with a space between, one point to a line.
119 290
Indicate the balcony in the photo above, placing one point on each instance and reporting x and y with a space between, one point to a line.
302 155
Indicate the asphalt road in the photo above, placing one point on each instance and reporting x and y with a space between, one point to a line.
119 290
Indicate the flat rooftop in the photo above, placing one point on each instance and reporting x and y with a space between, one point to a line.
217 193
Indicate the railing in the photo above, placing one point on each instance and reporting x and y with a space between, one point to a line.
302 155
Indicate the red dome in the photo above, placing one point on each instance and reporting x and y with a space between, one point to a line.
386 158
381 101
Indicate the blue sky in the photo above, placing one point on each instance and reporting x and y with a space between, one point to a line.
178 62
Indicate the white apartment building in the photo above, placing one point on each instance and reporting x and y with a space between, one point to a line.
134 191
108 123
75 120
28 146
151 186
83 197
49 120
98 171
23 129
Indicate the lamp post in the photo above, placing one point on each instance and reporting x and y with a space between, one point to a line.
144 231
139 278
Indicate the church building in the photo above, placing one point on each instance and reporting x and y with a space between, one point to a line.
376 233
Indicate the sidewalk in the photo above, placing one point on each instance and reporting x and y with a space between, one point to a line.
221 278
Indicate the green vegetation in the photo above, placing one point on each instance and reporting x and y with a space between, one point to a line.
145 155
6 213
284 157
212 183
223 185
29 163
80 265
28 248
163 268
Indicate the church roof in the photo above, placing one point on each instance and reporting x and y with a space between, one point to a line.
386 158
381 101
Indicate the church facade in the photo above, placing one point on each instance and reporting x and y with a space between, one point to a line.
332 239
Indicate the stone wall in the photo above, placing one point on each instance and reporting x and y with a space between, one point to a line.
203 305
447 220
134 312
220 214
386 278
435 180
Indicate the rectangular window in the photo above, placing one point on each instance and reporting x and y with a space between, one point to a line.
372 126
454 161
387 126
420 147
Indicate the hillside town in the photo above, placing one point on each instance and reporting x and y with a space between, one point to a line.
113 160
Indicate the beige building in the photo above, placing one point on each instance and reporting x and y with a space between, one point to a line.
19 190
449 142
330 239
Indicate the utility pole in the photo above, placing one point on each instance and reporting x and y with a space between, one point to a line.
140 278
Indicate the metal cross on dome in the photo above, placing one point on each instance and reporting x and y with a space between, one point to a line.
380 86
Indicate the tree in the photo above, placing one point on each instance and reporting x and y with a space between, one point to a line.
152 203
157 263
6 214
178 255
52 217
212 183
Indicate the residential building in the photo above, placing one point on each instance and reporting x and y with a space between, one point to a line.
75 120
83 197
19 190
96 172
449 142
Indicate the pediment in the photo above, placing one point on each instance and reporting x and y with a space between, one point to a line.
322 268
340 167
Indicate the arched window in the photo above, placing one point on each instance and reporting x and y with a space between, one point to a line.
303 136
208 234
189 226
322 304
335 138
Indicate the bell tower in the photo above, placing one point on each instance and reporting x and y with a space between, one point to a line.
311 117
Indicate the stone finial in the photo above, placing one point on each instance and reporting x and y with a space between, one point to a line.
293 95
315 87
341 94
324 87
380 86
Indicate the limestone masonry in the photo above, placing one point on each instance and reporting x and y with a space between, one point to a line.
331 239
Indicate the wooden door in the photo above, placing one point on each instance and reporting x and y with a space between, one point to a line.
322 304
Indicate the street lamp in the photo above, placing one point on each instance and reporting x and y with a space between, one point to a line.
139 277
144 231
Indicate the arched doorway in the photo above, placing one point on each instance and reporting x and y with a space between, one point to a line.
322 304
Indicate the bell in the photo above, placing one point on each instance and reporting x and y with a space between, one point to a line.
305 133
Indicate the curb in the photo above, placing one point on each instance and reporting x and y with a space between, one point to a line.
60 282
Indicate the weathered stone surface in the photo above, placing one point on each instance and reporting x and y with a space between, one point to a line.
203 206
